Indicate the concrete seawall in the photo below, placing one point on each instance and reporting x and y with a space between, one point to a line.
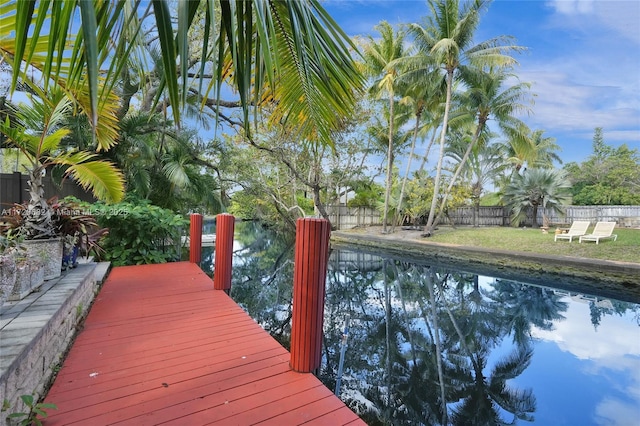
618 280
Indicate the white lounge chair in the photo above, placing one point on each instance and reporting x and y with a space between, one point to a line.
578 228
602 231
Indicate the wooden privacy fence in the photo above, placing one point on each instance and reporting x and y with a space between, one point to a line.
343 217
620 214
14 189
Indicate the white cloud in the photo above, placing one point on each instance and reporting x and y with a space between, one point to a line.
618 16
612 412
614 346
587 76
571 7
577 335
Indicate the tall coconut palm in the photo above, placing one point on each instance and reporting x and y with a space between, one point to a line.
291 49
446 38
422 89
536 188
526 147
487 99
378 65
38 134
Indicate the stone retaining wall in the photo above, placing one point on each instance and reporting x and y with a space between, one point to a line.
36 332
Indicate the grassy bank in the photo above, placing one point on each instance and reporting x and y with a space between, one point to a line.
625 249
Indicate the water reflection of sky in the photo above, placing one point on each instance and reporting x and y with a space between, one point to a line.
586 376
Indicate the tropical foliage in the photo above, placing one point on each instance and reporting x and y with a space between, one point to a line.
297 113
37 132
139 232
610 176
290 54
536 188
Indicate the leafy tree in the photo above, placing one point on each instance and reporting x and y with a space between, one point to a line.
610 176
536 188
165 165
367 194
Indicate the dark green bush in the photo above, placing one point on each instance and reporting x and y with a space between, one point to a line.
139 233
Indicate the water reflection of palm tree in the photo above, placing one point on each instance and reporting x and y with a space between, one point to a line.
486 396
415 356
526 306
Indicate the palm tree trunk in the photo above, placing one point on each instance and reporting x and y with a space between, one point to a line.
426 154
428 229
406 315
406 174
39 223
434 318
456 175
387 311
387 193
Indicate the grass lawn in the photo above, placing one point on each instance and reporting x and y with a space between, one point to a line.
625 249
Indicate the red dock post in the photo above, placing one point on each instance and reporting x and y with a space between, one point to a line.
195 238
309 276
225 224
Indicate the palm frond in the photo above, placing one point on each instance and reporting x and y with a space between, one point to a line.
102 178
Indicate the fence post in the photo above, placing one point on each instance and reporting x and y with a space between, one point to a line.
309 276
195 238
225 224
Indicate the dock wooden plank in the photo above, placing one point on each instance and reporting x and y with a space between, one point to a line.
161 346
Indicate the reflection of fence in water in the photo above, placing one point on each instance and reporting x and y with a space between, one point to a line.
348 260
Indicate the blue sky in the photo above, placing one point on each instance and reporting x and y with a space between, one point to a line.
582 58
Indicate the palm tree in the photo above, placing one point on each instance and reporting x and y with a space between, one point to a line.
38 134
485 164
446 40
422 89
289 51
536 188
526 147
378 64
487 99
163 164
487 395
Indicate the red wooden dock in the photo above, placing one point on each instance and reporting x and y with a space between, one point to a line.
161 346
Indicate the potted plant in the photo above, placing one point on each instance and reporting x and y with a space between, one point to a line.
37 130
78 229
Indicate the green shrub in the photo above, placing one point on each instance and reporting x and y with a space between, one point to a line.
139 233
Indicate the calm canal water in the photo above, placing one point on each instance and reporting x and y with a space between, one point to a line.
430 346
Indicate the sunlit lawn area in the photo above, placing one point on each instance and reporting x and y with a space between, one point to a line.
626 248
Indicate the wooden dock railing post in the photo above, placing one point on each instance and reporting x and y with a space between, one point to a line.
195 238
309 275
225 224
